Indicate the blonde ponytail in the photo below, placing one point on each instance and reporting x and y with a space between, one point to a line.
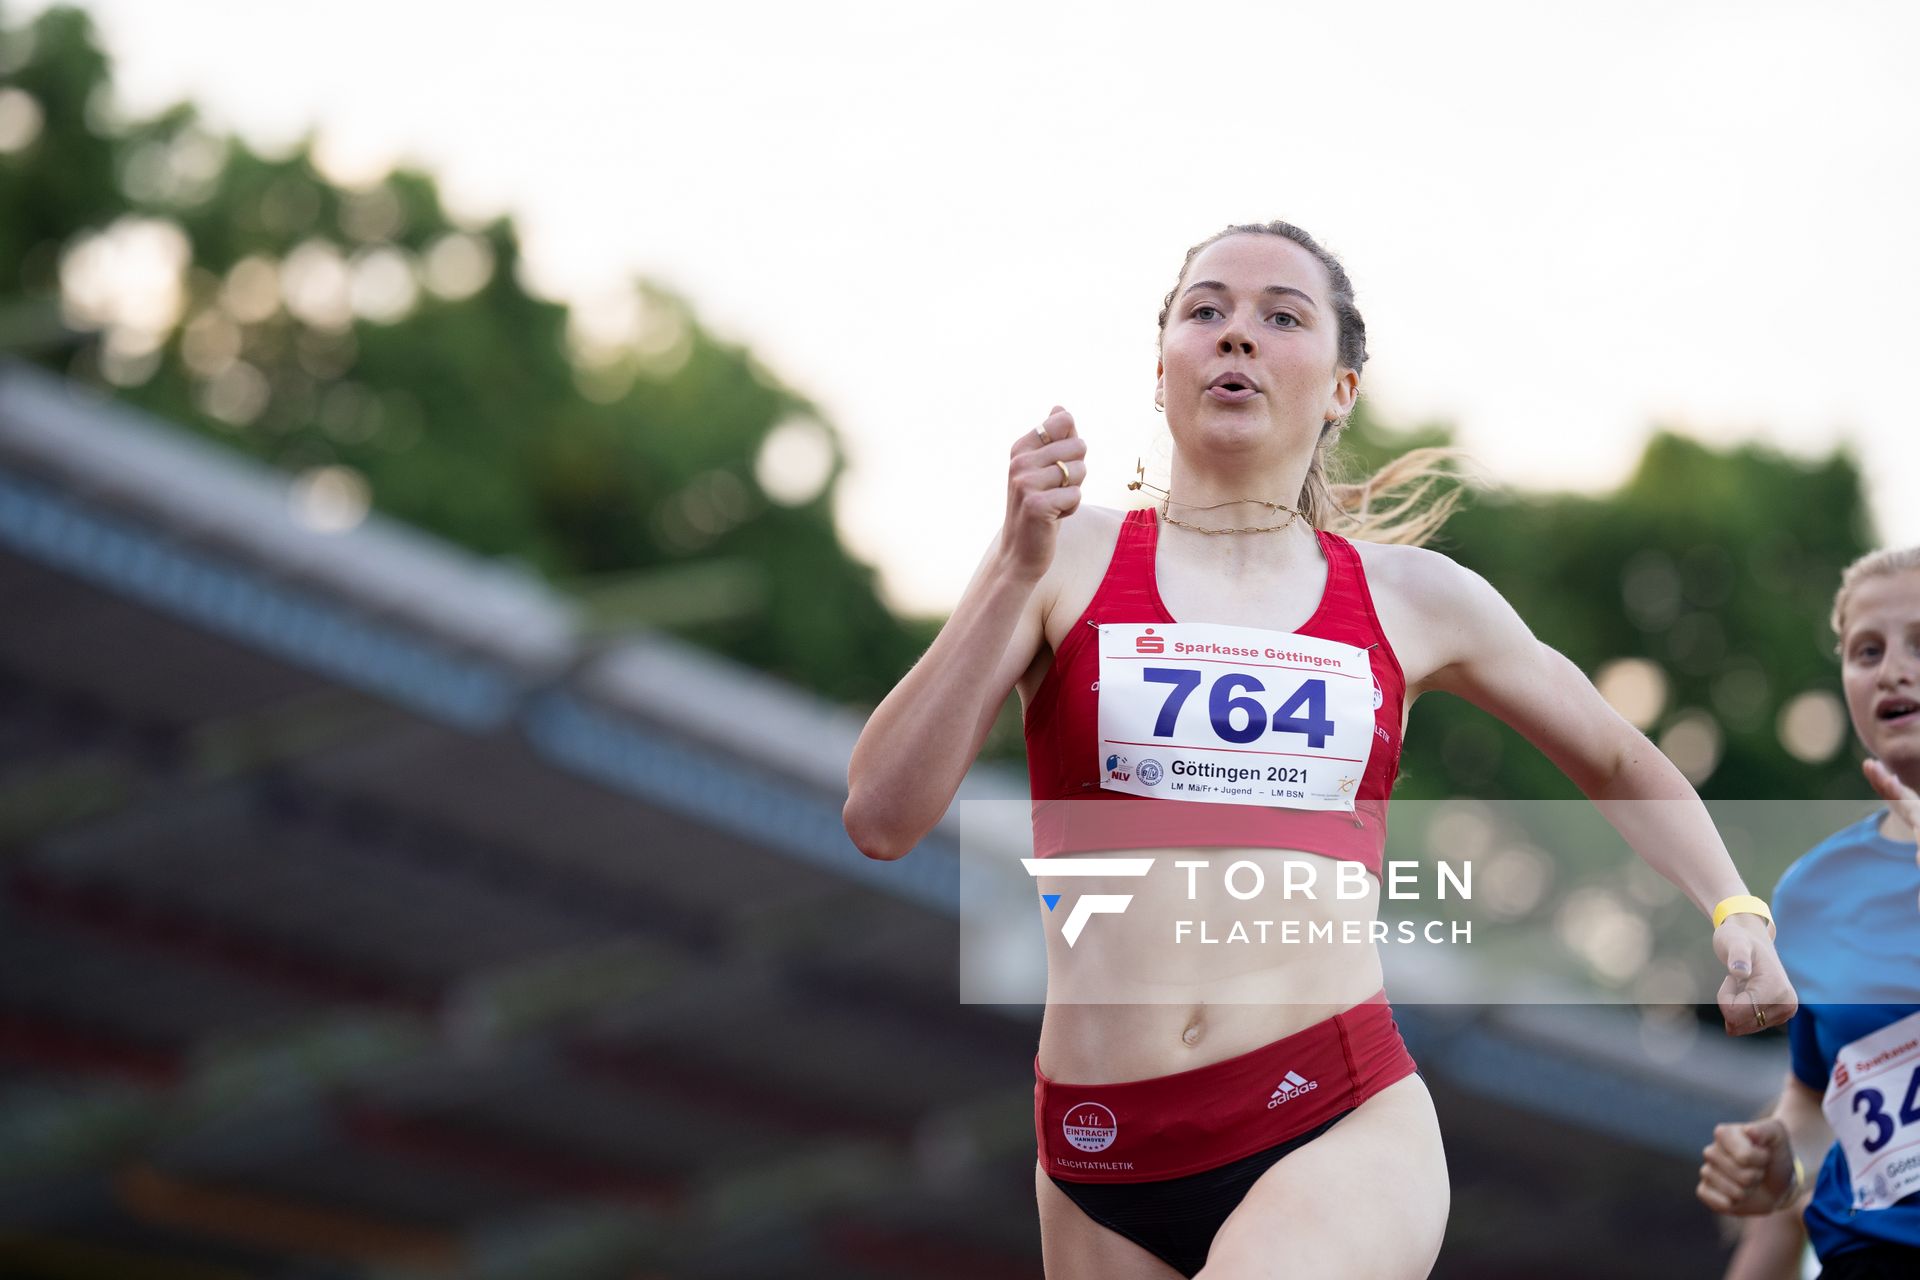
1406 501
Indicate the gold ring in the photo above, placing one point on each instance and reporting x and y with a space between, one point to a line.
1042 433
1759 1014
1066 476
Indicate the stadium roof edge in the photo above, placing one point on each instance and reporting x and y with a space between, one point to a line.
149 473
149 470
751 714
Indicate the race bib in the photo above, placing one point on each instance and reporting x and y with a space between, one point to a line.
1873 1104
1234 715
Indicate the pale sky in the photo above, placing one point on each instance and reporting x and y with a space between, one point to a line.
937 220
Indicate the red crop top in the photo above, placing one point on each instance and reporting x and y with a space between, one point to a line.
1063 761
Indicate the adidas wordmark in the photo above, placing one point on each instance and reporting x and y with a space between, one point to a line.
1290 1088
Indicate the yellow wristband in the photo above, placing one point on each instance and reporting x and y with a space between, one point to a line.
1741 903
1799 1184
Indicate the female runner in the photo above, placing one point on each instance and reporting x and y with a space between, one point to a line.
1852 941
1211 1114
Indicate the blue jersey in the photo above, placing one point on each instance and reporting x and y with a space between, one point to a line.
1849 925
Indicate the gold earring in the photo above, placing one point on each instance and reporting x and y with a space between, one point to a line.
1140 479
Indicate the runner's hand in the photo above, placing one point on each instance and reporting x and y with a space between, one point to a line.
1900 797
1755 994
1039 493
1748 1169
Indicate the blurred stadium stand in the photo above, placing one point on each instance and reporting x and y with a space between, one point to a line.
360 919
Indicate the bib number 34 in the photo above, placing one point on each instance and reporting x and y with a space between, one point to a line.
1873 1104
1870 1105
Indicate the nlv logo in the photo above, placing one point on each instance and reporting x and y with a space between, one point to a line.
1087 905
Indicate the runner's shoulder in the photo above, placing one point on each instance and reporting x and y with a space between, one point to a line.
1079 538
1080 556
1426 583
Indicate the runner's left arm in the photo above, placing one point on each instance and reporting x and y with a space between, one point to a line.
1483 652
1900 797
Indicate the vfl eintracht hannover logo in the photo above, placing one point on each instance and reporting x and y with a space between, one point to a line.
1093 903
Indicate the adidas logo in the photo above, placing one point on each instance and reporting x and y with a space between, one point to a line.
1292 1087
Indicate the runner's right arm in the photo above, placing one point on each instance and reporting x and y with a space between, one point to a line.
1770 1247
909 761
1749 1166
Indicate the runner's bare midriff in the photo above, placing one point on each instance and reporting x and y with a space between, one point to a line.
1137 997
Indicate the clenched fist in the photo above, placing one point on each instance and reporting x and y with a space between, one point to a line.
1044 471
1748 1170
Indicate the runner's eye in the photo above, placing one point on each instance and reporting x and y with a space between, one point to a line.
1292 321
1205 306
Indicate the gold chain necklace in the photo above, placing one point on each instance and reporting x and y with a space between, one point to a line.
1264 528
1141 483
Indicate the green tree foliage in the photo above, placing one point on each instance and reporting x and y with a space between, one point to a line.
366 329
1716 567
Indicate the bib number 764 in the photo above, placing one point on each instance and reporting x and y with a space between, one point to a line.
1240 719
